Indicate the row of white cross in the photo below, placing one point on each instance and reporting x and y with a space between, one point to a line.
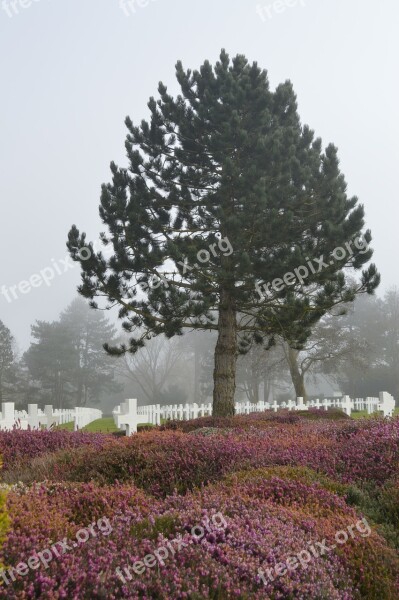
128 414
35 418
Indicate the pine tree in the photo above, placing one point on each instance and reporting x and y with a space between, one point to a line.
68 359
88 330
51 362
225 190
7 358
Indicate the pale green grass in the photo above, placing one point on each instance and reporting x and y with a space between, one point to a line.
66 426
362 414
105 425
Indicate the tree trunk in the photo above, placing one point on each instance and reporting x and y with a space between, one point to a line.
255 385
298 378
79 393
266 389
196 374
224 374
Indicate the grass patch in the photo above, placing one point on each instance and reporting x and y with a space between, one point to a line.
66 426
362 414
105 425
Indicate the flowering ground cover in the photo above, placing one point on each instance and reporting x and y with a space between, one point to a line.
256 507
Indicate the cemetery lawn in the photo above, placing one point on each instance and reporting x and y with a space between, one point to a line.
362 414
105 425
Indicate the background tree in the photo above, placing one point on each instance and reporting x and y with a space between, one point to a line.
94 369
7 361
199 346
225 189
261 371
374 323
153 368
52 363
27 389
67 357
332 347
390 325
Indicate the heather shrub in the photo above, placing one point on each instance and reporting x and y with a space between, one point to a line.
316 514
4 518
40 468
279 488
257 531
381 505
389 501
367 453
46 513
259 420
345 451
19 447
300 474
146 460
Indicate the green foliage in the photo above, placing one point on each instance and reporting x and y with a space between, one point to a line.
67 357
300 474
4 517
380 505
7 359
150 529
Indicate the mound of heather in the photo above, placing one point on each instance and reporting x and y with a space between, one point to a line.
250 523
162 462
18 447
277 488
259 420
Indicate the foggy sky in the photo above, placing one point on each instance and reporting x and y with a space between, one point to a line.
71 70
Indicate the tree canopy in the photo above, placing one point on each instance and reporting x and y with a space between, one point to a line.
67 357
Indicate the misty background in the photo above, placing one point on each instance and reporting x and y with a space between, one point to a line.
72 71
